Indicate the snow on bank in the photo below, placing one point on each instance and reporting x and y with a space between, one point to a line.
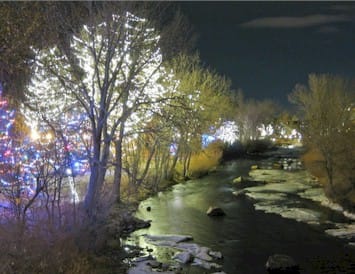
346 231
286 193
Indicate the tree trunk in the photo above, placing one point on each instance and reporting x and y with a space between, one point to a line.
172 168
118 165
91 194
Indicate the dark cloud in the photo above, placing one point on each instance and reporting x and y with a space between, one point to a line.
295 22
328 29
343 7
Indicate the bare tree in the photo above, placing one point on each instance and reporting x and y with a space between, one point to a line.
327 105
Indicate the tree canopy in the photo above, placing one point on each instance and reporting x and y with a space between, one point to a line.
115 76
327 107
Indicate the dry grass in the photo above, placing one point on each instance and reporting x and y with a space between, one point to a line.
204 161
343 189
55 244
38 251
314 163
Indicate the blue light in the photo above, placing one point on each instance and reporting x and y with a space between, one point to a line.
207 139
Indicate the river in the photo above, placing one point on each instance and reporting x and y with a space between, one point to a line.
245 236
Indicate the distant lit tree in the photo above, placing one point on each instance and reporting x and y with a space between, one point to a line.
251 116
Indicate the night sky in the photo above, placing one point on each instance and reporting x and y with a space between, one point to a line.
266 48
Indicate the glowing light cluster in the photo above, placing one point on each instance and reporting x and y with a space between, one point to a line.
228 132
23 159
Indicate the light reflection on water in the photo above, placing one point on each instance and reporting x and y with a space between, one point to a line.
246 237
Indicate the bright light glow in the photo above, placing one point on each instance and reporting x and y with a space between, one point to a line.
34 134
49 136
228 132
74 193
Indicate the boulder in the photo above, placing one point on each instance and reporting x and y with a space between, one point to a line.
215 211
238 179
280 263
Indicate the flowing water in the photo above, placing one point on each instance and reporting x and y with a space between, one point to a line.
245 236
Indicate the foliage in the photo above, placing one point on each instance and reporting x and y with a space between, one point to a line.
327 107
23 26
203 161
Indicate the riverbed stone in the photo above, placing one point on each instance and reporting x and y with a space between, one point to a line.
216 254
215 211
183 257
201 263
281 263
205 265
170 240
239 193
193 248
203 254
142 259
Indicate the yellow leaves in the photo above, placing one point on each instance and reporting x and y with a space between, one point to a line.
207 159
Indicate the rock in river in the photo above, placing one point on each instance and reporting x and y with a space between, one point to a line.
215 211
280 263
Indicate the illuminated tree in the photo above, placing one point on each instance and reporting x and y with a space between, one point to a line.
251 116
24 25
114 70
327 107
178 124
202 92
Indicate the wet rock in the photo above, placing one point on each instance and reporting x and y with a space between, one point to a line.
183 257
203 254
201 263
188 251
142 259
154 264
281 263
171 240
141 223
131 224
206 265
238 180
145 265
215 211
239 193
216 254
